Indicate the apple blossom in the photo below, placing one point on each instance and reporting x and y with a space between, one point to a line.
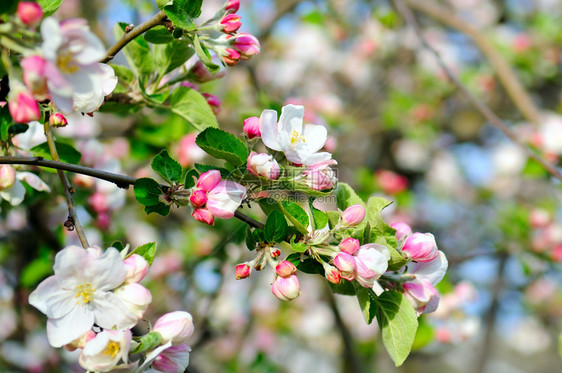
198 198
22 105
286 288
175 327
16 193
247 45
79 294
299 143
103 352
251 127
203 215
420 247
242 271
332 274
372 261
230 23
349 245
213 102
30 13
320 176
403 231
353 215
7 176
425 275
347 265
136 297
230 56
263 165
174 359
34 76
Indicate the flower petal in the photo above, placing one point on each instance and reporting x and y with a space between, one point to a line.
432 271
110 312
268 129
317 158
51 299
14 194
33 181
291 119
107 271
315 136
225 198
69 327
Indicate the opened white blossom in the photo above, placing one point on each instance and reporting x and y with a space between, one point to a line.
299 143
105 350
75 78
15 194
80 294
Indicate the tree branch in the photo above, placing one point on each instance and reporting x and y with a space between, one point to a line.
72 221
156 20
122 181
477 103
505 73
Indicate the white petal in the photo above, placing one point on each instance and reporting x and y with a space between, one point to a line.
70 265
110 311
51 299
52 38
107 271
70 327
268 129
315 136
33 181
291 118
317 158
109 80
225 198
432 271
153 355
14 194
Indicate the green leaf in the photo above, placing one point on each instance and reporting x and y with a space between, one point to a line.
319 218
125 78
148 342
118 245
250 240
298 246
137 52
333 217
204 55
308 265
160 208
49 6
167 167
158 35
345 287
259 235
183 12
368 307
296 215
172 55
8 6
275 227
147 191
147 251
223 145
398 322
190 178
192 106
66 152
346 196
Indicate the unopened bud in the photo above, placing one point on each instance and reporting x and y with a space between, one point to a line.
230 57
246 44
213 102
403 231
137 267
251 127
23 107
242 271
176 327
7 176
263 165
353 215
30 13
198 198
286 288
332 274
420 247
285 268
57 120
230 23
232 6
349 245
204 216
208 180
346 264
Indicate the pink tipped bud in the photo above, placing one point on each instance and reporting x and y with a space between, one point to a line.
208 180
230 23
176 327
137 267
286 288
7 176
198 198
332 274
34 76
57 120
232 6
403 231
353 215
285 268
204 216
349 245
23 107
346 264
189 85
213 102
420 247
230 56
242 271
263 165
275 253
247 45
30 13
422 294
251 127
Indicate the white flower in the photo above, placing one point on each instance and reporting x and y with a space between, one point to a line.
372 261
79 294
103 352
299 143
16 193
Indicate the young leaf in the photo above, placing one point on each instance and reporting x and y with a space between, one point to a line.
345 287
171 55
192 106
147 191
223 145
148 342
159 208
147 251
296 215
190 178
204 55
250 240
167 167
137 52
346 196
66 152
49 6
179 16
118 245
158 35
319 218
299 247
275 227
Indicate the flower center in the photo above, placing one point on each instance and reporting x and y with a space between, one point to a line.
296 137
86 292
65 63
112 349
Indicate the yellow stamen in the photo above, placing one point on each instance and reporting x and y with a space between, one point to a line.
65 64
296 137
112 349
86 292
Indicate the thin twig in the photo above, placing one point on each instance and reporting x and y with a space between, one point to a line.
156 20
478 104
68 190
122 181
505 73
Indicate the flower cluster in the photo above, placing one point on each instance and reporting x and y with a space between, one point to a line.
92 302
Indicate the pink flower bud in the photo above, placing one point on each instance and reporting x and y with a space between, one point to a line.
172 360
57 120
137 267
420 247
208 180
136 297
23 107
198 198
285 268
30 13
247 45
346 264
176 327
422 294
7 176
200 74
263 165
349 245
213 102
189 85
230 57
251 127
372 261
188 152
232 6
403 231
332 274
98 202
242 271
353 215
286 288
204 216
34 76
230 23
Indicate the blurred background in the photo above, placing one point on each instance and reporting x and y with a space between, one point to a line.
398 128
